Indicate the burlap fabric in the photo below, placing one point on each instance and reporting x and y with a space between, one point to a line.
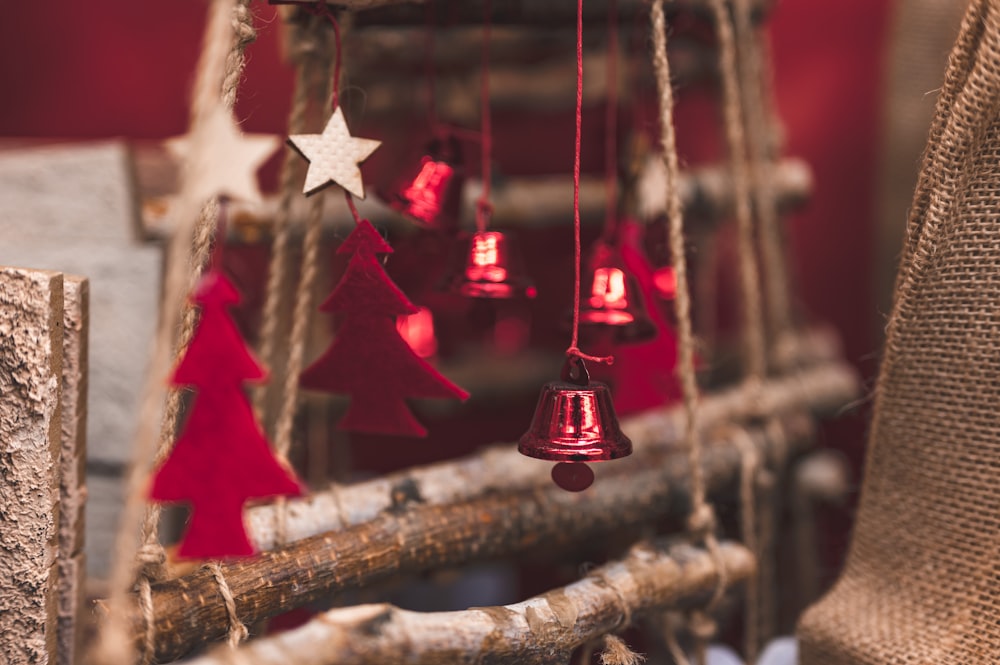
922 580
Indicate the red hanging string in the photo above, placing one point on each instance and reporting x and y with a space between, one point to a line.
484 208
321 9
574 349
611 127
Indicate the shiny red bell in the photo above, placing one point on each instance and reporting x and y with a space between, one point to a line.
575 421
611 296
431 195
492 269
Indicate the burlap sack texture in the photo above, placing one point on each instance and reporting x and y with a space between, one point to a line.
922 580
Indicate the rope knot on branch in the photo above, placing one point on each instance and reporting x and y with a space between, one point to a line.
702 626
701 521
152 559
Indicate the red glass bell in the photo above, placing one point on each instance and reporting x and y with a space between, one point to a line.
611 296
432 194
575 421
492 269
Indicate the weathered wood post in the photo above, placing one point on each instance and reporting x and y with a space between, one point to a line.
73 464
31 350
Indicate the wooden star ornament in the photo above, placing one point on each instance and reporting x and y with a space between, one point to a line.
334 156
220 160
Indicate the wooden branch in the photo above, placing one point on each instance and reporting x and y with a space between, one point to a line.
73 490
705 194
415 536
519 12
31 324
653 577
821 389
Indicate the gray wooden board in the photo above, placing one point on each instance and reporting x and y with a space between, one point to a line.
73 209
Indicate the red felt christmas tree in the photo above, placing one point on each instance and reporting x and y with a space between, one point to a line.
368 360
222 458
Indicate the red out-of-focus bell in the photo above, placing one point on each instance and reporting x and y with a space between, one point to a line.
575 421
418 331
611 296
431 195
492 269
665 281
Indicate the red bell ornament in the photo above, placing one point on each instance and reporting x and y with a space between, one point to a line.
611 296
431 195
492 269
575 421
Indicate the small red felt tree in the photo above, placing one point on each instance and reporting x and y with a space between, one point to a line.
368 360
222 458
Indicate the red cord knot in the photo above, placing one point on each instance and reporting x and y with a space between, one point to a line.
701 521
575 352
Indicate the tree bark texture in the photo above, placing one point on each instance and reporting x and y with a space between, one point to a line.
31 342
407 524
652 577
73 462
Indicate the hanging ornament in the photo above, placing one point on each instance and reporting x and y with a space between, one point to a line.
334 156
574 420
220 160
431 194
492 269
368 359
613 296
222 459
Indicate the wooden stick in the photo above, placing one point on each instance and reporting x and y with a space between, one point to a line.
31 324
414 537
652 577
513 12
706 195
821 389
73 490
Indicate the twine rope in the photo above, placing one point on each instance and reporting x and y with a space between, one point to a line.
310 71
237 630
148 627
761 130
701 521
750 469
733 116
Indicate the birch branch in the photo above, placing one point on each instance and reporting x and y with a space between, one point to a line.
652 577
820 389
413 536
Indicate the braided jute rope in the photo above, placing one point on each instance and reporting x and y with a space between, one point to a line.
237 631
311 59
761 129
701 521
750 468
218 66
732 108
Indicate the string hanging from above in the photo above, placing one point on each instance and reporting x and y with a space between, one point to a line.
575 419
492 266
